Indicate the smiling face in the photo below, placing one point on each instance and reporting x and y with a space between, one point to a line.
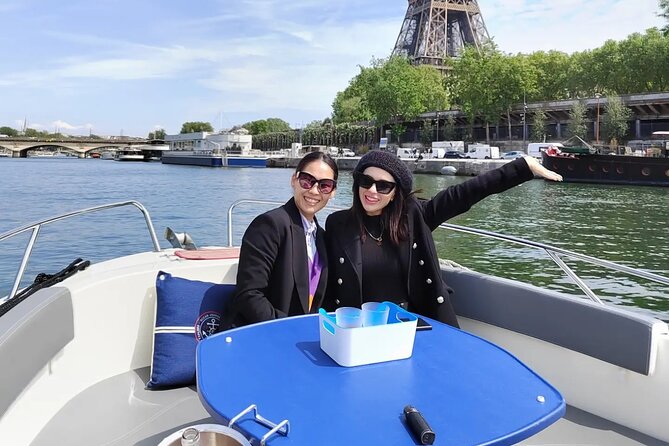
372 201
310 201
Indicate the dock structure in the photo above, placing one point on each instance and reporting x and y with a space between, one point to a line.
464 167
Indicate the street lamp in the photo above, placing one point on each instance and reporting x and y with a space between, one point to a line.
524 116
597 95
437 126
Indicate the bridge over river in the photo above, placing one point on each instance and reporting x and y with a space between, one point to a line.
18 147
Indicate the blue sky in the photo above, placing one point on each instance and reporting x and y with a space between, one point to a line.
132 66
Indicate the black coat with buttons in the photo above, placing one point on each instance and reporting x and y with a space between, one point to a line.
428 294
273 273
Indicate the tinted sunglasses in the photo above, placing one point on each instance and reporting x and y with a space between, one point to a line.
366 182
307 181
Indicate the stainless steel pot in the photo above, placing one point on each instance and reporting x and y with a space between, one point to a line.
218 435
210 435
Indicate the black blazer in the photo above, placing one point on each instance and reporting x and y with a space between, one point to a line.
428 294
273 276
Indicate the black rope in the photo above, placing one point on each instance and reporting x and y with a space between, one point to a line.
43 280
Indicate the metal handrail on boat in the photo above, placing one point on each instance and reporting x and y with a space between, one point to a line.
36 226
553 252
245 201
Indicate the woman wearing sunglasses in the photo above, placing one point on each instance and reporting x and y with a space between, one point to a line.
382 247
283 265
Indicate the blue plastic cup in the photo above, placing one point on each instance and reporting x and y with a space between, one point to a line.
348 317
374 313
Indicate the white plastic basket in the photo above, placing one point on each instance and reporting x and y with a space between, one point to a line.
351 347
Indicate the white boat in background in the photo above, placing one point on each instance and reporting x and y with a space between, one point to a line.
225 149
129 154
46 154
108 155
153 152
206 157
75 356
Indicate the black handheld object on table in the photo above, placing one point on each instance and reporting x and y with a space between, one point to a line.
419 426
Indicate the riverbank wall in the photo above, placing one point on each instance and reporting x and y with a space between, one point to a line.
463 167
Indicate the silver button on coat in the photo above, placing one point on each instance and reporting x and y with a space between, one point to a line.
421 263
339 281
337 301
341 260
428 281
440 299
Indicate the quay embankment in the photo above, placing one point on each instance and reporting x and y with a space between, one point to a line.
464 167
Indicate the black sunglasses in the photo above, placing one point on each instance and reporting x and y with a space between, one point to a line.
307 181
366 182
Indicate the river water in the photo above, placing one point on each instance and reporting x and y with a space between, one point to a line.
628 225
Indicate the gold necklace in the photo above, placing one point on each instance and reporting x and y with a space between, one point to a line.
378 239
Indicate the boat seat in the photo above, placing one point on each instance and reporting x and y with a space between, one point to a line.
42 324
619 337
582 428
120 411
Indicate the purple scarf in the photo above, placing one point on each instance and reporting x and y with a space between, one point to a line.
315 268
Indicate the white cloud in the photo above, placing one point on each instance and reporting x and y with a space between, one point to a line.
568 25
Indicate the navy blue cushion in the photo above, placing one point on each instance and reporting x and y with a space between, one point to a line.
187 311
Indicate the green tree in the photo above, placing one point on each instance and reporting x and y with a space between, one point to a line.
577 120
269 125
8 131
32 133
397 130
351 105
401 91
449 128
487 83
615 122
538 126
551 71
426 133
159 134
664 13
277 125
196 126
389 91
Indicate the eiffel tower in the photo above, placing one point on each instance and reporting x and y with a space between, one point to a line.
434 30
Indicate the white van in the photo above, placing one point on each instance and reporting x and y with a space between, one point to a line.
482 151
449 145
535 148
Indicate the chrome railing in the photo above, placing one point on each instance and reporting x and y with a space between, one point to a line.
37 226
554 253
237 203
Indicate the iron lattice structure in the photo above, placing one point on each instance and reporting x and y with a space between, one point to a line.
434 30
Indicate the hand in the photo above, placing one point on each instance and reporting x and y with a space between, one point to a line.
540 171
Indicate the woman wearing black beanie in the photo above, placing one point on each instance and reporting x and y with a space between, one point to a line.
382 247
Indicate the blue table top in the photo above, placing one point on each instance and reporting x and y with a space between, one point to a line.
470 391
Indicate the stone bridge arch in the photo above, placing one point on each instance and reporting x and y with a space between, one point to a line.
21 148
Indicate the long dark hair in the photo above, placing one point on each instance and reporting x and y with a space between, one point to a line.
318 156
394 216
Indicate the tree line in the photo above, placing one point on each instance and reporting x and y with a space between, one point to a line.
486 83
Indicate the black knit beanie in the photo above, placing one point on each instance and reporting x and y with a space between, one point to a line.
391 164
